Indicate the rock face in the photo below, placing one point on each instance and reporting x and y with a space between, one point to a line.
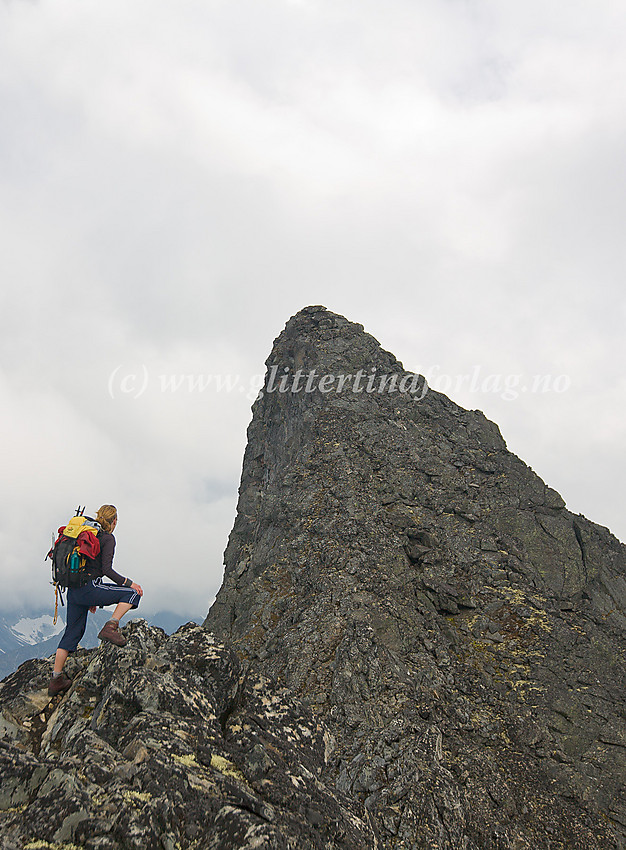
415 646
167 743
458 630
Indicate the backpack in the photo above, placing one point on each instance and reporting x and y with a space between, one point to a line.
73 552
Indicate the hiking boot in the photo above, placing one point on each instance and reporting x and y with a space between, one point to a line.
58 684
111 632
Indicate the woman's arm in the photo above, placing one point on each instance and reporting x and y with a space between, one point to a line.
107 550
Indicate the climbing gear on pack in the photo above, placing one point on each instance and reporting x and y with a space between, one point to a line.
72 554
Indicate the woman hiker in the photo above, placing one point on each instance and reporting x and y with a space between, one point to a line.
80 600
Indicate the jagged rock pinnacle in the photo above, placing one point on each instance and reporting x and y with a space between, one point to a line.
459 630
416 647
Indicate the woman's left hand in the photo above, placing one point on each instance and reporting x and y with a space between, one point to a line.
93 609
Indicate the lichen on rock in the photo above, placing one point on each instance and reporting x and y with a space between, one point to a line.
166 743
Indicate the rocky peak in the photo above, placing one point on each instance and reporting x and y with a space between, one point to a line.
416 645
459 630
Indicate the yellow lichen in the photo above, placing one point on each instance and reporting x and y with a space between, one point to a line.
188 760
227 767
15 809
137 795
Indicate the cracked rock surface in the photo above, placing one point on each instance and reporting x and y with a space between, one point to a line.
434 602
167 743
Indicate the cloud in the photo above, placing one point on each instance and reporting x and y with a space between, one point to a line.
177 181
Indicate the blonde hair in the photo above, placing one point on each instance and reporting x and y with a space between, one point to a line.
106 515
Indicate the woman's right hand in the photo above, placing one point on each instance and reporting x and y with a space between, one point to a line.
138 588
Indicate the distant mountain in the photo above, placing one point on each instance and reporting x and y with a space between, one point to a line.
33 634
32 630
23 637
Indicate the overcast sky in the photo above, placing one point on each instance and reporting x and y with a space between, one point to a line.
178 179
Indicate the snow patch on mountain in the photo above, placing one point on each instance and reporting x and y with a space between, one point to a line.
32 630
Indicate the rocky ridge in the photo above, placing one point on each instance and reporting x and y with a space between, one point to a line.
169 743
416 645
